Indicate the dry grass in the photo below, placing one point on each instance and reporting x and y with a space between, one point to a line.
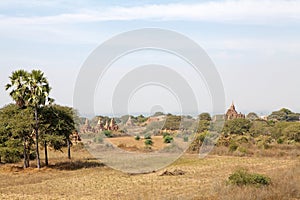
203 179
129 143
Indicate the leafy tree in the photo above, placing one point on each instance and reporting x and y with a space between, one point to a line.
252 116
205 116
204 122
52 125
203 126
284 114
157 114
66 124
237 126
30 89
172 122
260 127
292 132
141 118
15 133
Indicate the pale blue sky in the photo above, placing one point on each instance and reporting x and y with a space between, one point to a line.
255 45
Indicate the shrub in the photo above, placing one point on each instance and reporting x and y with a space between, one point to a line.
233 146
168 139
10 155
148 142
186 138
243 177
165 134
280 140
137 137
107 133
147 136
98 139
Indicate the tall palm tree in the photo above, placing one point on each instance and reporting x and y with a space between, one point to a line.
30 89
39 90
18 86
19 93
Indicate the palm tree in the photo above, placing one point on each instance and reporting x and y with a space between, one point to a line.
19 93
39 90
18 86
30 89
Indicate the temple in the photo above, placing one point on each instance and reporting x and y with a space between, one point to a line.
100 126
233 114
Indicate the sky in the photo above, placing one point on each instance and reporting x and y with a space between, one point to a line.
254 44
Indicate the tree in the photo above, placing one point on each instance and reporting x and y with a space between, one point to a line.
18 85
204 122
172 122
203 126
284 114
237 126
15 133
252 116
205 116
292 132
38 96
30 89
57 125
19 93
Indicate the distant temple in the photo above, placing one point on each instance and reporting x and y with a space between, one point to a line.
233 114
86 127
129 122
100 126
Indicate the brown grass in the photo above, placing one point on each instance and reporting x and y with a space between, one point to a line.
86 178
129 143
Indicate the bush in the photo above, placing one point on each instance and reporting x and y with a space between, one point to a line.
147 136
243 177
280 140
233 146
148 142
186 138
10 155
98 139
168 139
107 133
137 137
165 134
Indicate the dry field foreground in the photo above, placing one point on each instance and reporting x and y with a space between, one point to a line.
85 178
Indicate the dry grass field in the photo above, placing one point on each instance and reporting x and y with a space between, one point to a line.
129 143
86 178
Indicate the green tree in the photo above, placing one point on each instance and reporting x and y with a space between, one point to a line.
30 89
38 96
237 126
284 114
172 122
15 133
252 116
203 126
18 87
205 116
204 122
292 132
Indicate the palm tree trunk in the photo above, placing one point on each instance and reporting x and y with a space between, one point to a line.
69 148
38 161
46 153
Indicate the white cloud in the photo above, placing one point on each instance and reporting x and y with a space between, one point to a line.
240 11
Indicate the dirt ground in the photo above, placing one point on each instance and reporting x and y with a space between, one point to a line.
87 178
